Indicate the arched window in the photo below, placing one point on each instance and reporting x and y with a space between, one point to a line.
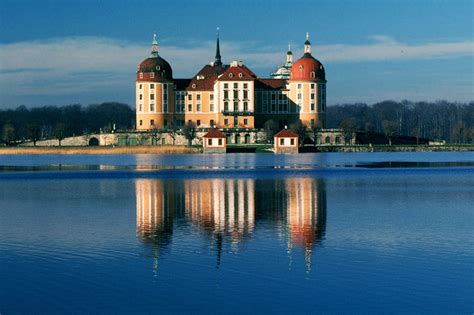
338 140
328 140
313 75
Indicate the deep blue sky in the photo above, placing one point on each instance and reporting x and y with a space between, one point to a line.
58 52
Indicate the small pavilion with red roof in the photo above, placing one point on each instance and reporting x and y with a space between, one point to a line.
214 141
286 141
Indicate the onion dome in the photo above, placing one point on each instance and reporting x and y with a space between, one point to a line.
307 68
154 68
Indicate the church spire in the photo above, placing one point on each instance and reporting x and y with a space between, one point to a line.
154 47
307 45
289 55
217 61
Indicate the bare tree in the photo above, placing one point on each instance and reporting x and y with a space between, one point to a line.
190 131
390 129
300 128
348 128
271 128
34 133
8 134
315 131
60 132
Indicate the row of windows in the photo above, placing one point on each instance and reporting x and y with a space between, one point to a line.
236 85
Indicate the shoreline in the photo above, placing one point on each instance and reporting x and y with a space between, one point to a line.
170 149
101 150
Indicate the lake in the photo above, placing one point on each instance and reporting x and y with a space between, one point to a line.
333 232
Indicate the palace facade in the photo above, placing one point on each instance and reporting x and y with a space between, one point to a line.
230 96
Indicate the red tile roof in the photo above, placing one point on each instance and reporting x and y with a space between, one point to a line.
270 84
286 133
238 73
205 78
214 133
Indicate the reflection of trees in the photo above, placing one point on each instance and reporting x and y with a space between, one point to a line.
226 210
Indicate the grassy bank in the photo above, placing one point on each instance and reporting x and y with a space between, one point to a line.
165 149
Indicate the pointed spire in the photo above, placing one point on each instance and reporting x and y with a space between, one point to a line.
154 47
307 45
289 55
217 61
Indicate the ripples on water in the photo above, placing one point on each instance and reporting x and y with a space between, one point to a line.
259 233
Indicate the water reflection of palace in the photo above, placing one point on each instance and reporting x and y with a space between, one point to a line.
226 210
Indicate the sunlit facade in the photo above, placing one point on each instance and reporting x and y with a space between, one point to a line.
230 96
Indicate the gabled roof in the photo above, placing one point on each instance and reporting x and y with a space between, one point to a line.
270 84
214 133
181 84
238 73
286 133
205 78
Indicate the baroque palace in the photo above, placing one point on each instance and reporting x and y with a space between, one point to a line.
230 96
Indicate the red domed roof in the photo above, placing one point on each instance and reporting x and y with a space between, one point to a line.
160 68
307 68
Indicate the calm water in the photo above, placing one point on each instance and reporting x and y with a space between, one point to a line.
351 233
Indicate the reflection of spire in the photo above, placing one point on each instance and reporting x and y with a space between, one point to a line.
217 60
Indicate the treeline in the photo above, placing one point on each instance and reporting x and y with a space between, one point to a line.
63 121
441 120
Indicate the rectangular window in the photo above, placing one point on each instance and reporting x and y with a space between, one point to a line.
165 107
246 106
190 97
312 122
312 107
211 107
282 141
140 96
209 141
141 122
312 96
246 95
299 96
152 96
236 94
292 141
198 107
245 121
198 97
152 122
211 97
190 107
312 86
140 107
226 106
152 86
198 122
226 121
273 96
140 86
226 95
226 86
212 123
236 106
141 75
236 85
220 141
299 85
152 107
152 75
245 85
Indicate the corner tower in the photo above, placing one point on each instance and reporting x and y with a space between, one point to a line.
308 88
154 91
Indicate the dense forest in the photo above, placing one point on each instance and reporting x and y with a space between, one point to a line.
63 121
453 122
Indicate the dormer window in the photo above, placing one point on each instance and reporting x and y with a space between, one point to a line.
231 75
194 86
157 67
152 75
312 74
141 75
240 75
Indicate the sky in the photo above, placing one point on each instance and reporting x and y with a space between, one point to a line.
83 51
